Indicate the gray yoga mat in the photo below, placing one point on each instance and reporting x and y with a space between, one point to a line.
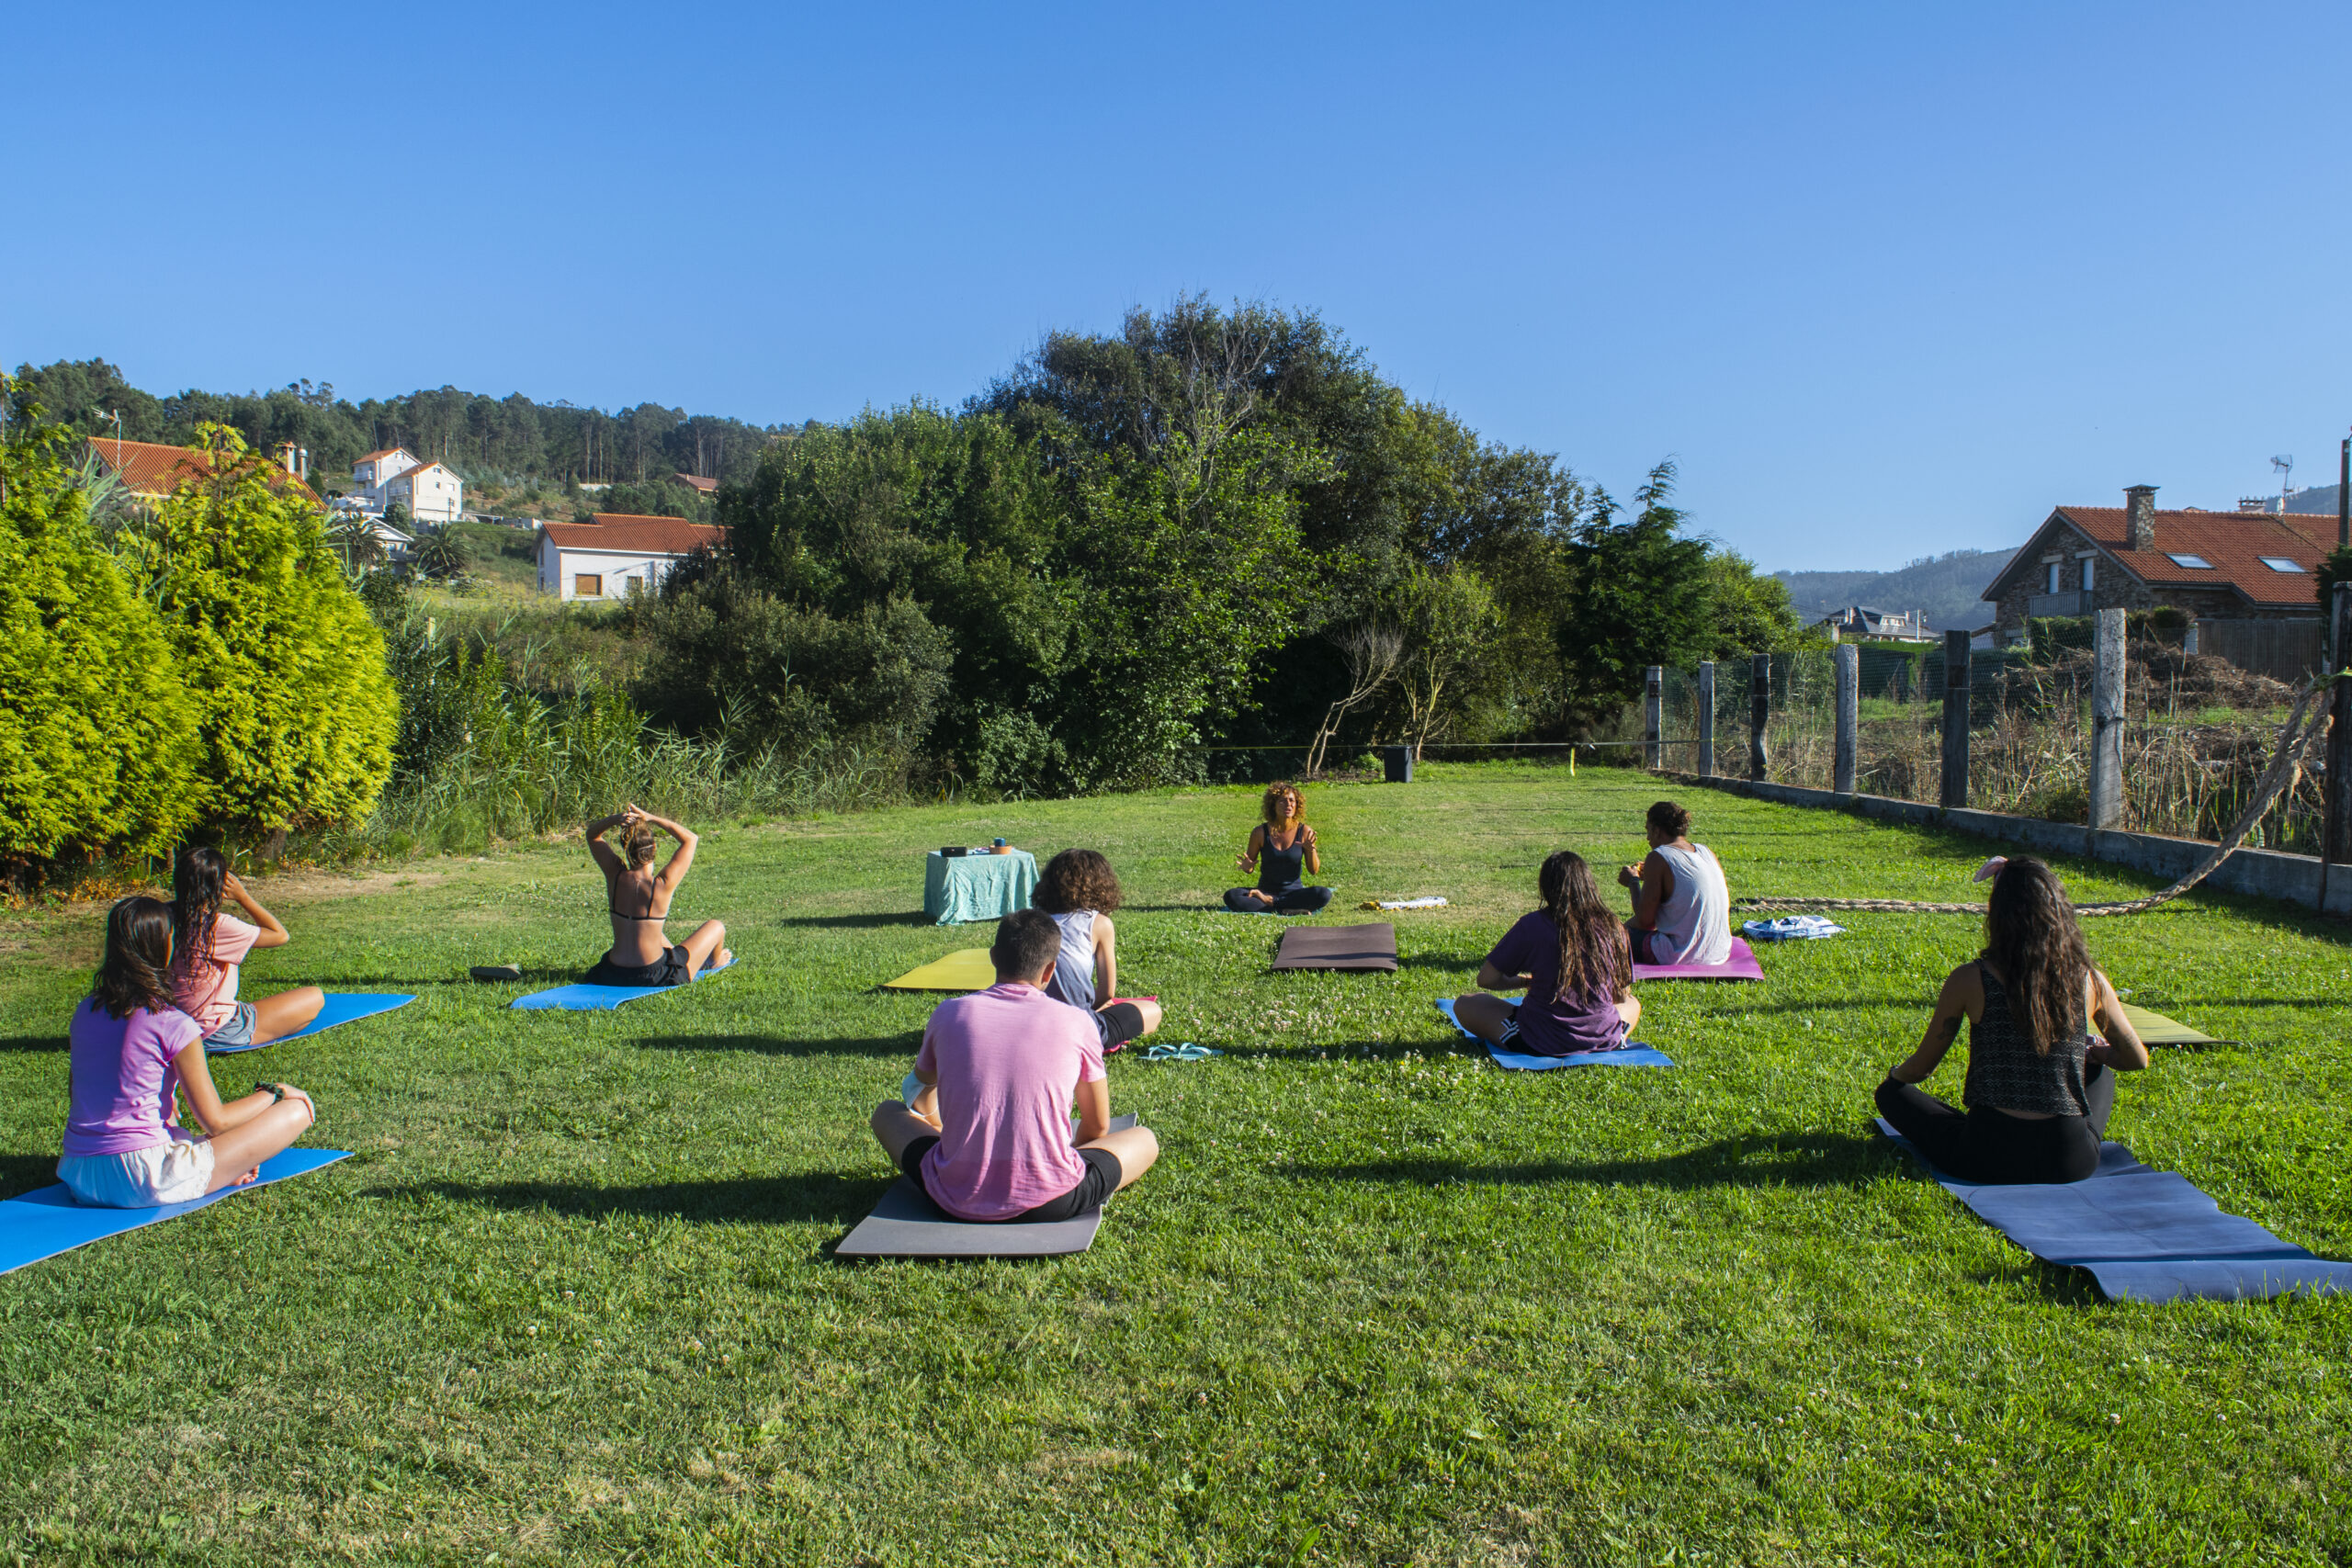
1338 947
907 1223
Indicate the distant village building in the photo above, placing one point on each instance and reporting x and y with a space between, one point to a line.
151 470
431 491
2244 579
1859 623
617 554
696 483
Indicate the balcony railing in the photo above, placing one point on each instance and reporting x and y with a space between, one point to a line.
2073 603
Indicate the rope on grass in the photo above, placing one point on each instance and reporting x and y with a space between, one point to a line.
2286 766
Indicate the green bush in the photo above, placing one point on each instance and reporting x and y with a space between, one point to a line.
97 752
295 710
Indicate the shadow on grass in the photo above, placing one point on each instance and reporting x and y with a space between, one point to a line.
20 1174
31 1043
902 1045
858 922
819 1197
1796 1159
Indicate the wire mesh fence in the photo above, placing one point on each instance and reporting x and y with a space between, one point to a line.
2196 733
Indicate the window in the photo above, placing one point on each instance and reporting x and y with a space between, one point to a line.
588 585
2050 575
2195 563
2279 563
2088 563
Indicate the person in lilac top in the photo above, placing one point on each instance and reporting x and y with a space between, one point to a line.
1573 958
134 1057
989 1138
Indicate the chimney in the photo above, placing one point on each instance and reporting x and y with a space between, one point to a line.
2140 516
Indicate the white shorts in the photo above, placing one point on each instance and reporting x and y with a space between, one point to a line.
144 1178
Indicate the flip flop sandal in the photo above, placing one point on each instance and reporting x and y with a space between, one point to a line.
495 972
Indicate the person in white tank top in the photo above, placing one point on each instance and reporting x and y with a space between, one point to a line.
1078 888
1681 906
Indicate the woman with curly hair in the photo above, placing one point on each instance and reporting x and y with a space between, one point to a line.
1282 851
1079 890
1572 957
2040 1085
208 950
135 1057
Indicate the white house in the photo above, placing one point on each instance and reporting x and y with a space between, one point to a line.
617 554
432 492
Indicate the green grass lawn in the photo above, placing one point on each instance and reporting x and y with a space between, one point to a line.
572 1302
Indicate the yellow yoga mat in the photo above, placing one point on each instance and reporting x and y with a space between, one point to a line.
2155 1029
968 969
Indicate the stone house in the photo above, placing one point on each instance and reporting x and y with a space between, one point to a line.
2244 579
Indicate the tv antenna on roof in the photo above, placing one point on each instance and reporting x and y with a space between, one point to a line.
2285 465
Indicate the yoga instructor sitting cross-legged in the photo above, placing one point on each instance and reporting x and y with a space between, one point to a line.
1282 850
639 899
989 1138
2039 1085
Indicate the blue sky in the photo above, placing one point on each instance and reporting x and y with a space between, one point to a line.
1886 280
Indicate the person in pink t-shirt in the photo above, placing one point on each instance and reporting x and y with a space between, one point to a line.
989 1138
134 1058
208 947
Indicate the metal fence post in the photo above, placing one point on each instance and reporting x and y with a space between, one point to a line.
2335 838
1955 781
2107 721
1847 659
1706 718
1652 712
1759 709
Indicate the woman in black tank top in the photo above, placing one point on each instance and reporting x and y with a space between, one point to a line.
1282 850
2040 1085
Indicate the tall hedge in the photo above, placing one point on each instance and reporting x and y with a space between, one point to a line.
296 712
98 750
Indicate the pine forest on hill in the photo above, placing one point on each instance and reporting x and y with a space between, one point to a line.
1945 586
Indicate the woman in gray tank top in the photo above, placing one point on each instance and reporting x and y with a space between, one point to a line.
1078 888
2040 1085
1681 907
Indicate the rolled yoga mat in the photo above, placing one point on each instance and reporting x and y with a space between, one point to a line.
907 1223
341 1007
1633 1054
2146 1236
1740 966
1338 947
41 1224
584 998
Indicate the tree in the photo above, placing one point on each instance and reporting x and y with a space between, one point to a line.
1449 619
441 554
354 534
1747 613
98 751
1372 650
1638 597
295 712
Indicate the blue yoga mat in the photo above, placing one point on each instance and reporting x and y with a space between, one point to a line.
341 1007
44 1224
2146 1236
591 999
1635 1055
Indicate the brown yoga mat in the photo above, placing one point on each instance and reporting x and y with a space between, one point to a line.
1338 947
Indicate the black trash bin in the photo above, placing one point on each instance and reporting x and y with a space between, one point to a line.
1398 761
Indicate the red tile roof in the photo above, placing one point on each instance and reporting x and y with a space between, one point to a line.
152 469
2233 541
386 452
627 534
707 487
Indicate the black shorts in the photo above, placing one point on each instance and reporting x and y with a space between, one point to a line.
674 967
1102 1175
1118 1023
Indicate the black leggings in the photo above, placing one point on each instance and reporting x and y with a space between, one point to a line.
1297 901
1992 1148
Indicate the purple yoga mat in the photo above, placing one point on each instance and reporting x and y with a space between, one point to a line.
1740 966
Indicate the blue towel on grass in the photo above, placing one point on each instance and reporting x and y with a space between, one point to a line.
1633 1055
592 998
341 1007
42 1224
2146 1236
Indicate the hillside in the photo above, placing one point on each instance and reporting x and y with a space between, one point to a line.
1945 586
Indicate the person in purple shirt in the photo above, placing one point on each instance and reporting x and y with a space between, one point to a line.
134 1058
1573 958
989 1138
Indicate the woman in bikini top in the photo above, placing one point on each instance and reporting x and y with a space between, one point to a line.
638 898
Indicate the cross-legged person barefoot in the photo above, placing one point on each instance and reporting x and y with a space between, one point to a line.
639 900
133 1056
989 1138
1571 955
1282 851
209 947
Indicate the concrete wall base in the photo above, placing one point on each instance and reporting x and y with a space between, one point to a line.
2260 874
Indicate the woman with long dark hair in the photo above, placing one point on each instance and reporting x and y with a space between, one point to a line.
1282 851
134 1058
639 898
2039 1085
208 948
1572 958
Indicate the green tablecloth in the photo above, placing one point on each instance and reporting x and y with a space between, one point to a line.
957 888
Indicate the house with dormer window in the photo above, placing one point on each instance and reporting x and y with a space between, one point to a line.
431 491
